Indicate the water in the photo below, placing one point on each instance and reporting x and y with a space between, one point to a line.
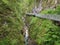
25 31
26 36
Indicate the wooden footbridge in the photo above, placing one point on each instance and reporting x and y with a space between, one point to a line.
46 16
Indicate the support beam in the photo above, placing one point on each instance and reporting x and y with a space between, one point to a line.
46 16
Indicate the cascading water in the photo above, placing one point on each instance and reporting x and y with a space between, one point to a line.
26 36
25 31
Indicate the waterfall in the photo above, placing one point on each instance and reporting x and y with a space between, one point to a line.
26 36
25 30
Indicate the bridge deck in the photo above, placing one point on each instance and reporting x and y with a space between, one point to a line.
46 16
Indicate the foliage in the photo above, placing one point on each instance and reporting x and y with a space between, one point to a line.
11 22
42 31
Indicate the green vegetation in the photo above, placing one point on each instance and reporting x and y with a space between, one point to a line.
41 31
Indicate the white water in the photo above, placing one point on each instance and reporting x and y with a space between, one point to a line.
26 31
26 36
